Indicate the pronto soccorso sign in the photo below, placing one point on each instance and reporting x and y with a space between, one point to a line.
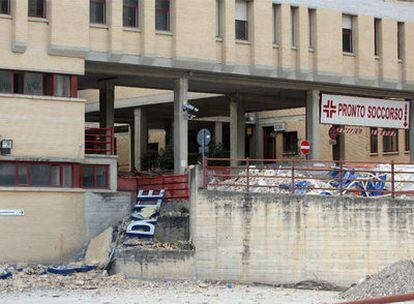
367 112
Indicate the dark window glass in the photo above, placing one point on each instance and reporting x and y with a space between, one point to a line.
4 7
33 84
6 82
55 176
390 140
7 174
407 140
377 35
101 177
130 15
18 83
400 40
347 40
67 176
97 11
40 175
37 8
62 86
373 140
23 174
48 85
241 30
162 17
290 142
87 177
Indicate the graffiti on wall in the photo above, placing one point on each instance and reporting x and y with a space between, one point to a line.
145 213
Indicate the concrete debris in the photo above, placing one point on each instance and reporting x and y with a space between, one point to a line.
99 249
154 245
395 279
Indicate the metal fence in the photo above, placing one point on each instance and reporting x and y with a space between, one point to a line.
297 176
99 141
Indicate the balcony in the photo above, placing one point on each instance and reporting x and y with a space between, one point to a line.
99 141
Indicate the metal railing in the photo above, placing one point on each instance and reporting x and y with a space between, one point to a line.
99 141
297 176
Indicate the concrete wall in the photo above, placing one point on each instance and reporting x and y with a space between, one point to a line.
155 264
284 239
56 225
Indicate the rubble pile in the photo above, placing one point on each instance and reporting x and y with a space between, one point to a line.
38 278
321 181
395 279
151 244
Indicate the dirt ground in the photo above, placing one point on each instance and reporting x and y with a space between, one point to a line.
171 292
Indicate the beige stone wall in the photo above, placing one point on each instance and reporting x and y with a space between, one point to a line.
43 126
52 229
283 239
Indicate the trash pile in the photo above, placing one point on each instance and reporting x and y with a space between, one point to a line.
396 279
321 181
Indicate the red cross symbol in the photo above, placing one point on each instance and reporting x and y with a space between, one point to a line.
329 108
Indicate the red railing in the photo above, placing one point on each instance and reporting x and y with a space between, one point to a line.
99 141
299 176
176 186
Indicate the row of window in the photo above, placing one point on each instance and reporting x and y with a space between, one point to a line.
36 8
62 175
389 140
131 13
30 83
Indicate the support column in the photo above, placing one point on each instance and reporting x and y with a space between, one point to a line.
218 133
411 132
237 128
132 146
107 104
313 131
256 136
140 136
180 126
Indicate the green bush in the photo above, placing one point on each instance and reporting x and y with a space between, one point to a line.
166 159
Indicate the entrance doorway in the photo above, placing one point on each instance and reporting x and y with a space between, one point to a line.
269 143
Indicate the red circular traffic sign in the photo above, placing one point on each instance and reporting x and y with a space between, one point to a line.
305 147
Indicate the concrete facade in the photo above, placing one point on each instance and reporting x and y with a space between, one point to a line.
286 239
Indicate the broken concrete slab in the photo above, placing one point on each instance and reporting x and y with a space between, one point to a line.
99 249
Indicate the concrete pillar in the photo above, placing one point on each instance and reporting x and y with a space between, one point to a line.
131 146
106 104
180 126
313 131
218 132
237 128
257 136
140 136
411 133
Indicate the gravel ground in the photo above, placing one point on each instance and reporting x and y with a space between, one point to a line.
172 292
395 279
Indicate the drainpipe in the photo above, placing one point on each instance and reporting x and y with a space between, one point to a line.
384 300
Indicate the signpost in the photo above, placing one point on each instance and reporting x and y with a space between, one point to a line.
368 112
305 147
203 139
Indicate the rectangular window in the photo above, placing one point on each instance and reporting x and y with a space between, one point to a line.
242 24
347 45
407 140
276 12
6 82
18 83
373 140
7 174
390 140
37 8
131 13
400 40
162 15
97 11
5 7
40 175
101 177
67 176
294 25
62 86
95 176
377 36
55 176
290 142
312 20
33 84
218 18
23 173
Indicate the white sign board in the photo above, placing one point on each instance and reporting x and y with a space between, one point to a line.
366 112
19 212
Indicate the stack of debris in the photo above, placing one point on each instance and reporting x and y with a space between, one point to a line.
395 279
